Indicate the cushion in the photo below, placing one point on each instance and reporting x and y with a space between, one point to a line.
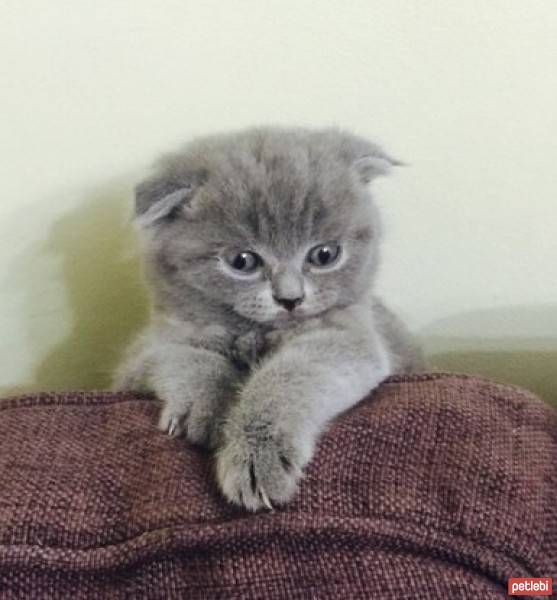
434 486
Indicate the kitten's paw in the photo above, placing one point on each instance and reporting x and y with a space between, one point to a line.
259 472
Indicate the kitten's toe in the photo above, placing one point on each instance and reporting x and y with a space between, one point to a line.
171 422
203 423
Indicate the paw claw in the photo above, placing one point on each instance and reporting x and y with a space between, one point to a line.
173 427
265 499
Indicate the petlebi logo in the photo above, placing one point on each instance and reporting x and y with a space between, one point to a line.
530 586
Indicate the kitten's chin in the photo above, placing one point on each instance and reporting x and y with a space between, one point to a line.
287 317
299 315
279 318
282 317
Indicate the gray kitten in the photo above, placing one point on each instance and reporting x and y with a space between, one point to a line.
262 248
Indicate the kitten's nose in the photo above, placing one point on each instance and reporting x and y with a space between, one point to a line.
287 286
289 303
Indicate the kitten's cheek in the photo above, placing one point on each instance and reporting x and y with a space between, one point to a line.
257 313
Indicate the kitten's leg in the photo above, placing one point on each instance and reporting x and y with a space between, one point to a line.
194 385
271 432
133 372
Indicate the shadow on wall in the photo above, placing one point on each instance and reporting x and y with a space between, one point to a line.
96 249
516 345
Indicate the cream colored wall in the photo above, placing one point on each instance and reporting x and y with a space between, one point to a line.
464 91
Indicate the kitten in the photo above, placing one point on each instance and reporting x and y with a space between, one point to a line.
262 249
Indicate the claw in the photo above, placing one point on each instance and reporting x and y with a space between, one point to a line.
265 499
173 427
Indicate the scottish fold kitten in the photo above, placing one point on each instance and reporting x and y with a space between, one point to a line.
262 248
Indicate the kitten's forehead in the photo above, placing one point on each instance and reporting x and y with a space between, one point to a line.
282 185
281 196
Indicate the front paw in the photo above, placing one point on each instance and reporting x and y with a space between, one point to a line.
257 469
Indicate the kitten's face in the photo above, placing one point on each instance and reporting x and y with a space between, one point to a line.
265 285
274 236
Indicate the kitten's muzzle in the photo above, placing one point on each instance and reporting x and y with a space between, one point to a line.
289 303
287 286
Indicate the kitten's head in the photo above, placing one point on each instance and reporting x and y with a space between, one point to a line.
272 224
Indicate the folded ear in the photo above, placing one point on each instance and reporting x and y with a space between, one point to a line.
164 197
366 158
374 165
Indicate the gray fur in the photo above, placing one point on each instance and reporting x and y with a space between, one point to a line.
235 370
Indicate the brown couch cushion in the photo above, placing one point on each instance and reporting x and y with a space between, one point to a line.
436 486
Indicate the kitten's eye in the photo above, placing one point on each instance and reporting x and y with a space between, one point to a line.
245 262
325 255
